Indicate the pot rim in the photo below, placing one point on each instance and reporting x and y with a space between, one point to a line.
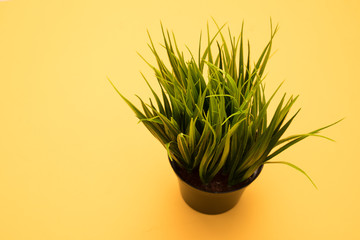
242 184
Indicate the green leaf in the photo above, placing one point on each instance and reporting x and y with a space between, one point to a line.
171 155
160 106
297 168
139 114
184 148
223 149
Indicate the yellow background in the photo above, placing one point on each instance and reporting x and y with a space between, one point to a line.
74 163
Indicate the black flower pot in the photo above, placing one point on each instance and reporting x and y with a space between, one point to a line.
212 202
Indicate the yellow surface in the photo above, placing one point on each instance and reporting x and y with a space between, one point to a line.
74 164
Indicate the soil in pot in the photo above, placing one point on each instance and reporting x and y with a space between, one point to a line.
217 185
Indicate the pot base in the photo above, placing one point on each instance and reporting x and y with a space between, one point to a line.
207 202
212 202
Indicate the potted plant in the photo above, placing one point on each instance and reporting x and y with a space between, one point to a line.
211 115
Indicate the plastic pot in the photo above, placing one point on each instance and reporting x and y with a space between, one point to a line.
212 202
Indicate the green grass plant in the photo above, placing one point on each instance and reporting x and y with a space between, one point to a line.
212 114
